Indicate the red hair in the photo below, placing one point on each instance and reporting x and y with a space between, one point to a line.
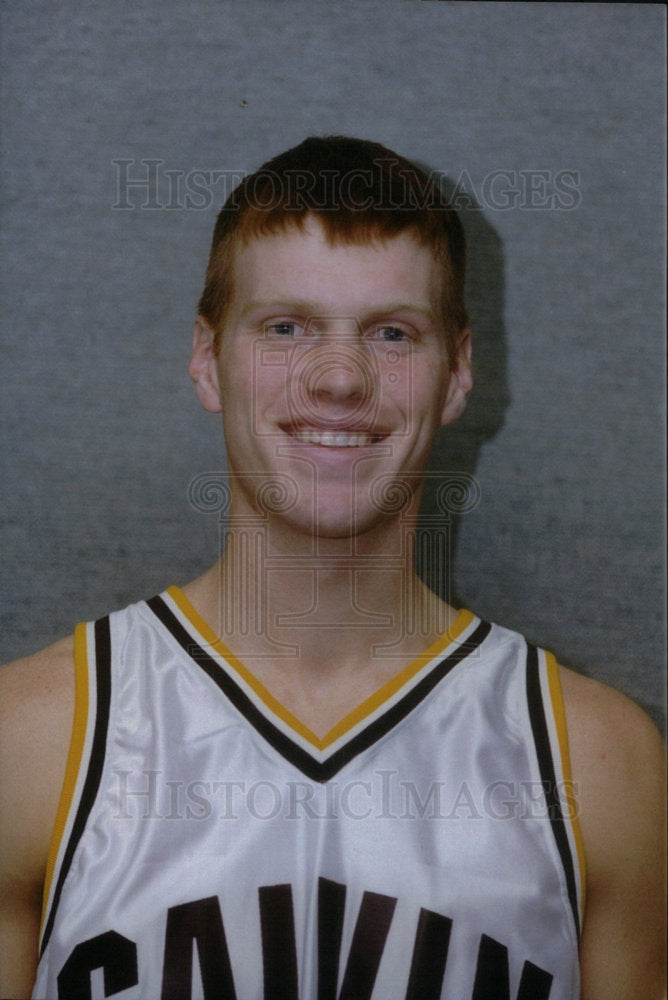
360 192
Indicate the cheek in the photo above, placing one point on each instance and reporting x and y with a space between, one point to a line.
423 390
235 371
253 391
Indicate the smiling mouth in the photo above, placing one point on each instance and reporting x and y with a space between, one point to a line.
336 439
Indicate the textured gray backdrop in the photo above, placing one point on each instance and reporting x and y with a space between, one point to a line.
547 120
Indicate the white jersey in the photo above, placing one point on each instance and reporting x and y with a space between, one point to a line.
209 845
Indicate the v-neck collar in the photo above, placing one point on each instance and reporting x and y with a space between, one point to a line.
318 758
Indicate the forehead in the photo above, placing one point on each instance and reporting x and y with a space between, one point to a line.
344 278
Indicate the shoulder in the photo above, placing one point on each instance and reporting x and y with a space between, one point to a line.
613 743
41 675
617 759
618 762
38 691
36 711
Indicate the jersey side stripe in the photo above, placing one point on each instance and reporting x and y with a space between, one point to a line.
98 721
548 777
77 750
315 769
559 712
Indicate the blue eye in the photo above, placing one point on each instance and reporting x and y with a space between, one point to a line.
390 334
283 329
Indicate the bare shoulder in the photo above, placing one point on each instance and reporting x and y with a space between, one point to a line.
609 734
618 759
36 706
36 711
618 764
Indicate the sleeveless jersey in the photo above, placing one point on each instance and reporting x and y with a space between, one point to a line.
209 845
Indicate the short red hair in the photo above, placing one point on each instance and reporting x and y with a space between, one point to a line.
360 192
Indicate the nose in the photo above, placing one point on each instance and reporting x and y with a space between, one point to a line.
337 381
339 373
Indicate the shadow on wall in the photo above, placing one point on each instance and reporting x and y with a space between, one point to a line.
451 488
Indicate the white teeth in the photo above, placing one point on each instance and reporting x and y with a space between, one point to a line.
335 439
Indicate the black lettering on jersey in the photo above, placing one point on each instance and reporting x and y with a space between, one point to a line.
366 947
279 951
114 954
430 953
331 904
492 981
200 922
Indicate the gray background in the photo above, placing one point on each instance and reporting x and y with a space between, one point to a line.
565 433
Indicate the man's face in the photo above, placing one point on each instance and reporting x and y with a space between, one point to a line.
332 378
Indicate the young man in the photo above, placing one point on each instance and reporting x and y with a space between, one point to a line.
303 774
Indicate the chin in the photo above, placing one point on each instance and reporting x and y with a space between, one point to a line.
339 524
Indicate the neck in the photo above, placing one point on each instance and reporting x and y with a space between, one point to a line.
322 623
278 600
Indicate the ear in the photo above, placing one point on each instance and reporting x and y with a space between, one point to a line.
460 381
203 368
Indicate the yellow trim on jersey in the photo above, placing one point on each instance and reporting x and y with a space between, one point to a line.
366 708
391 687
74 756
559 712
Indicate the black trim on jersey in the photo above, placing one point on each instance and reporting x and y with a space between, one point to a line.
303 761
95 763
549 778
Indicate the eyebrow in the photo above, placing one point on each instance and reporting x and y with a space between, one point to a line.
305 308
279 306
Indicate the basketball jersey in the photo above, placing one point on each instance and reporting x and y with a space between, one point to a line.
209 845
